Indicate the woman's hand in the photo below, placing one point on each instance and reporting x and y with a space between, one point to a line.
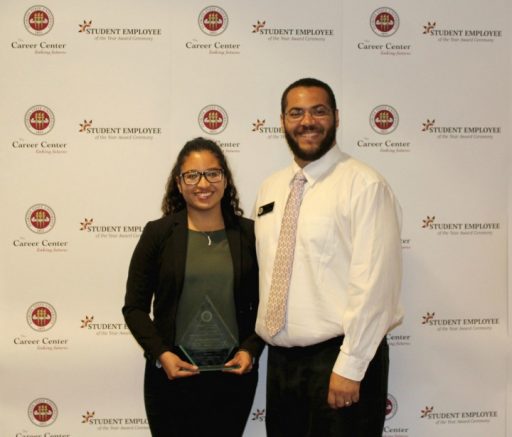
242 363
175 367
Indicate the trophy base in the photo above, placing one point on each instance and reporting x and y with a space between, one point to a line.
208 361
217 367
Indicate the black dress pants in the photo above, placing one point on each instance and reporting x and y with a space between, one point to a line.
213 404
297 389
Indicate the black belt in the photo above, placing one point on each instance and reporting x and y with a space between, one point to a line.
301 351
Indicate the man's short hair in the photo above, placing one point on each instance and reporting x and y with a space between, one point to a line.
309 82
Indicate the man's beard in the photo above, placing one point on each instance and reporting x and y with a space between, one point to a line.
312 155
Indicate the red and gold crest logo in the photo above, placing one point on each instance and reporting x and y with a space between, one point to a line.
384 119
213 20
42 412
39 120
40 218
41 316
213 119
38 20
384 21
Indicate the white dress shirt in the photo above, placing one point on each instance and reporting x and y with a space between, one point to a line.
347 267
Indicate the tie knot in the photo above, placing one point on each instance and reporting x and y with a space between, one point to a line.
299 177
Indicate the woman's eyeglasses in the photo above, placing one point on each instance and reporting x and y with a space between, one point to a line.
193 177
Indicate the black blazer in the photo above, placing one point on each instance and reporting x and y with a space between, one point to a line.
157 270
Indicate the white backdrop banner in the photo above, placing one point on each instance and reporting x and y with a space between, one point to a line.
98 97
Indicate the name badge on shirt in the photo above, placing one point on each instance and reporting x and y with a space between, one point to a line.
265 209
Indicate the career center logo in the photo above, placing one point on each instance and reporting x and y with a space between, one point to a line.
40 218
42 412
39 120
213 20
384 119
38 20
391 407
41 316
384 21
213 119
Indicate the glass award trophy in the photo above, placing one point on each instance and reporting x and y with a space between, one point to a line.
207 341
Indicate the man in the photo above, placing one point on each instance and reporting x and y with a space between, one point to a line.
328 357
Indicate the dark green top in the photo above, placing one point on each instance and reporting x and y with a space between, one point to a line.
208 272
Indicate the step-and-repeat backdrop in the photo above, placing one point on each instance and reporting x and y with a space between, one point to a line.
98 96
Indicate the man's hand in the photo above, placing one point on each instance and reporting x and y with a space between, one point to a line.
343 392
242 362
175 367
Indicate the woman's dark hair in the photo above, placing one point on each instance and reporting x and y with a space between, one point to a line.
173 201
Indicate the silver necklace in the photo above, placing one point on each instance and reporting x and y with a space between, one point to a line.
207 236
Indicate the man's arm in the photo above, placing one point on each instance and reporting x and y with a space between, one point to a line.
374 288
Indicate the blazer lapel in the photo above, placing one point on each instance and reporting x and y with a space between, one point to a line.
235 242
179 251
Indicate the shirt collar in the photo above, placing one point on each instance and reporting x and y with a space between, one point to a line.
317 169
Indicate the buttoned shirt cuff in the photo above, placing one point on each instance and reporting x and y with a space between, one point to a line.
350 367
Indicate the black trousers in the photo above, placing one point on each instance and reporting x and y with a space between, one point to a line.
297 388
213 404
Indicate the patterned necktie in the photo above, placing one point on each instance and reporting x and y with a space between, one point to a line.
278 298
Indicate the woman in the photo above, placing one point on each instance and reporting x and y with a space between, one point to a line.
201 252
